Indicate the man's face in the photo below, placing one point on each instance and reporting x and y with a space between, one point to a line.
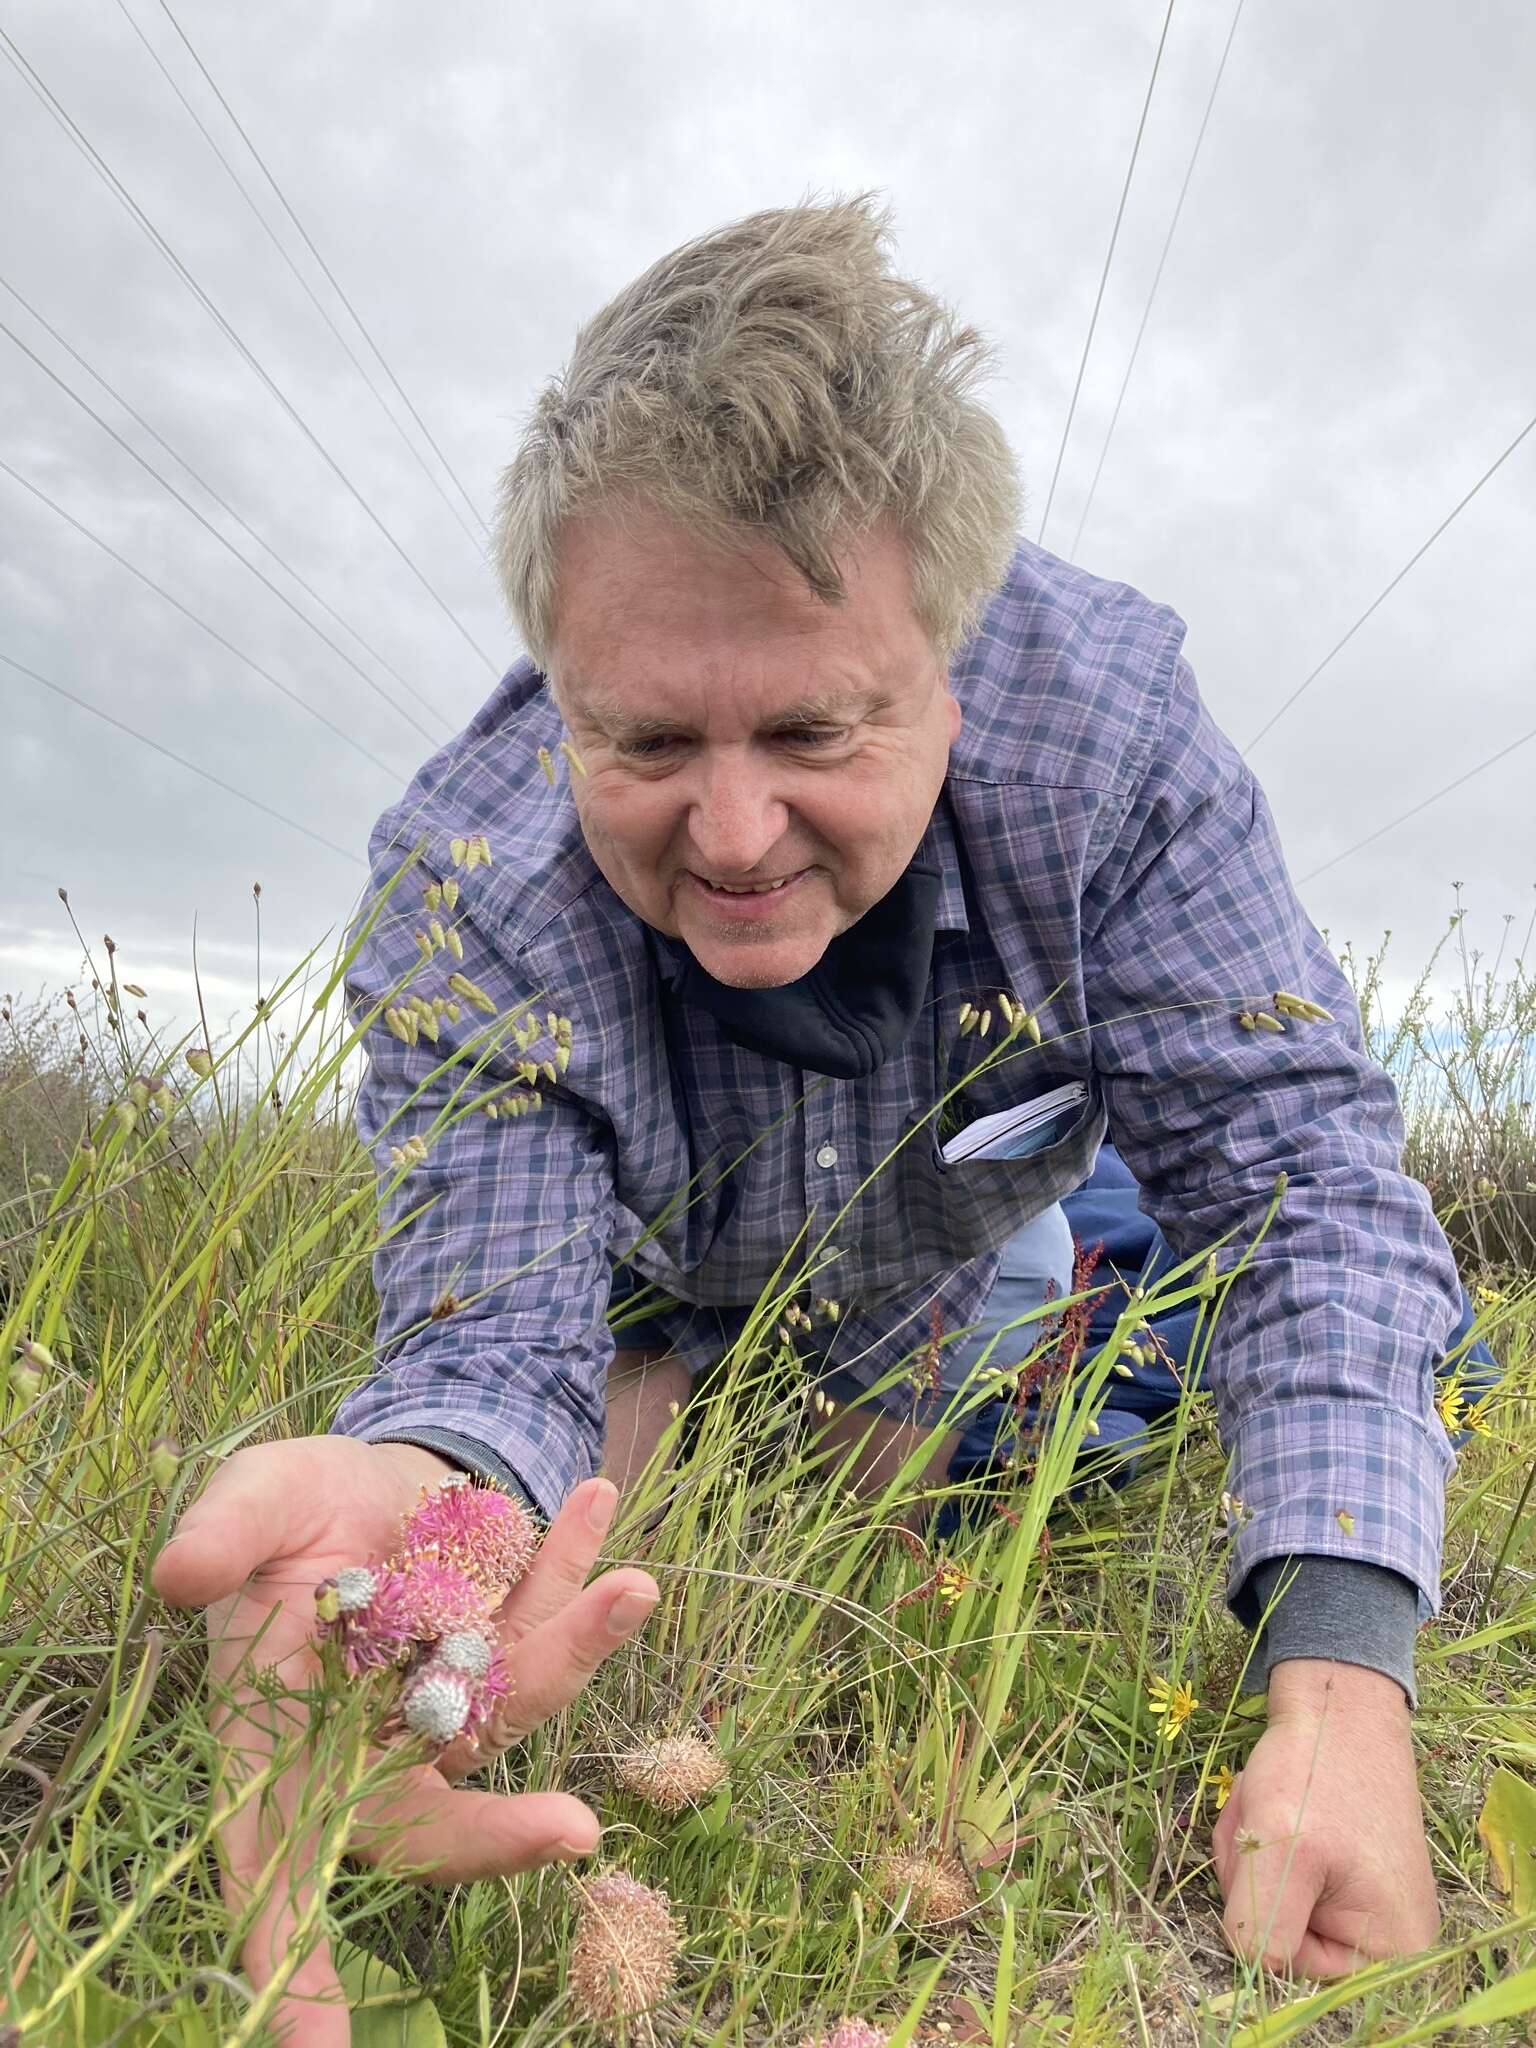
738 732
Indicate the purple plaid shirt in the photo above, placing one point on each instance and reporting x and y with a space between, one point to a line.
1105 857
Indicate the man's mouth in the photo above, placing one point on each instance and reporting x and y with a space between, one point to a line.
747 888
775 887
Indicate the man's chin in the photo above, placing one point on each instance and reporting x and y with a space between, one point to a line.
770 963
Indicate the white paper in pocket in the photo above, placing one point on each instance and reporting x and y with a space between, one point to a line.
1019 1130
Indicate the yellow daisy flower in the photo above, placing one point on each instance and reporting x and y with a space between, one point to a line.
1170 1704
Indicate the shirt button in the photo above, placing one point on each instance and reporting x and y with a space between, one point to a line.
827 1156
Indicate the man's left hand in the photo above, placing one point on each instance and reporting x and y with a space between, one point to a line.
1320 1848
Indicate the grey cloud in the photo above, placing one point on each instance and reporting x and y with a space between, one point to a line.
1338 349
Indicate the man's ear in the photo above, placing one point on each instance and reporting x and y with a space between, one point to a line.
956 716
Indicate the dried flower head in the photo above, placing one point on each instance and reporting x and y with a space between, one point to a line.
937 1886
484 1532
624 1956
677 1771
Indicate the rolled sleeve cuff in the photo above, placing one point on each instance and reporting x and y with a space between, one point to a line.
542 1471
468 1455
1339 1610
1338 1478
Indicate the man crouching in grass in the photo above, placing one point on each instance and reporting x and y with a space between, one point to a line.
853 767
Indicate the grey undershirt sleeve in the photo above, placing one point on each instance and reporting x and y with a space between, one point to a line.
469 1456
1337 1608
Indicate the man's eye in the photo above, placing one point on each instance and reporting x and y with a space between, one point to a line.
647 748
812 735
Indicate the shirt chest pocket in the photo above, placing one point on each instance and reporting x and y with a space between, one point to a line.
977 1204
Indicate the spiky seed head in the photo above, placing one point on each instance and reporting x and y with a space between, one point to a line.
436 1703
624 1956
669 1774
941 1889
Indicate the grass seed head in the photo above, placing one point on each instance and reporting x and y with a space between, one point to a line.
670 1774
624 1957
164 1461
937 1886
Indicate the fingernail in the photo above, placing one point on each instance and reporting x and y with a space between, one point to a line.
628 1611
601 1503
572 1852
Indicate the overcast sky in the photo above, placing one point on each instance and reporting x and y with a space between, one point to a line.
1340 346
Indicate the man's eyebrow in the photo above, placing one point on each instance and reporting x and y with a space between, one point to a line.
820 707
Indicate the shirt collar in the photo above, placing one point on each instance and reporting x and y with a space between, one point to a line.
939 849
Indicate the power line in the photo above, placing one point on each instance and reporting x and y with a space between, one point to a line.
208 525
1403 816
213 632
180 759
1417 556
303 282
93 156
216 495
1109 257
1146 313
330 275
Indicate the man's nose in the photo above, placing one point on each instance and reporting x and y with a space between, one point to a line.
735 819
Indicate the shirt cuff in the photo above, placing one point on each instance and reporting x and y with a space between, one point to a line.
1346 1479
1336 1608
469 1456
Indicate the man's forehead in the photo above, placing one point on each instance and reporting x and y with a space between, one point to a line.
640 705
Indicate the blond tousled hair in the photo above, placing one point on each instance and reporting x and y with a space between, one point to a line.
773 380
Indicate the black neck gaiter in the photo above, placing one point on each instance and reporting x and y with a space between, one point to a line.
855 1007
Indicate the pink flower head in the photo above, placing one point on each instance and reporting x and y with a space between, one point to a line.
850 2034
489 1694
373 1622
484 1532
474 1656
437 1597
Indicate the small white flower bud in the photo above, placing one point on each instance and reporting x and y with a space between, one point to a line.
356 1585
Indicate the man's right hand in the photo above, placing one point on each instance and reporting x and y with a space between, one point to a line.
275 1521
